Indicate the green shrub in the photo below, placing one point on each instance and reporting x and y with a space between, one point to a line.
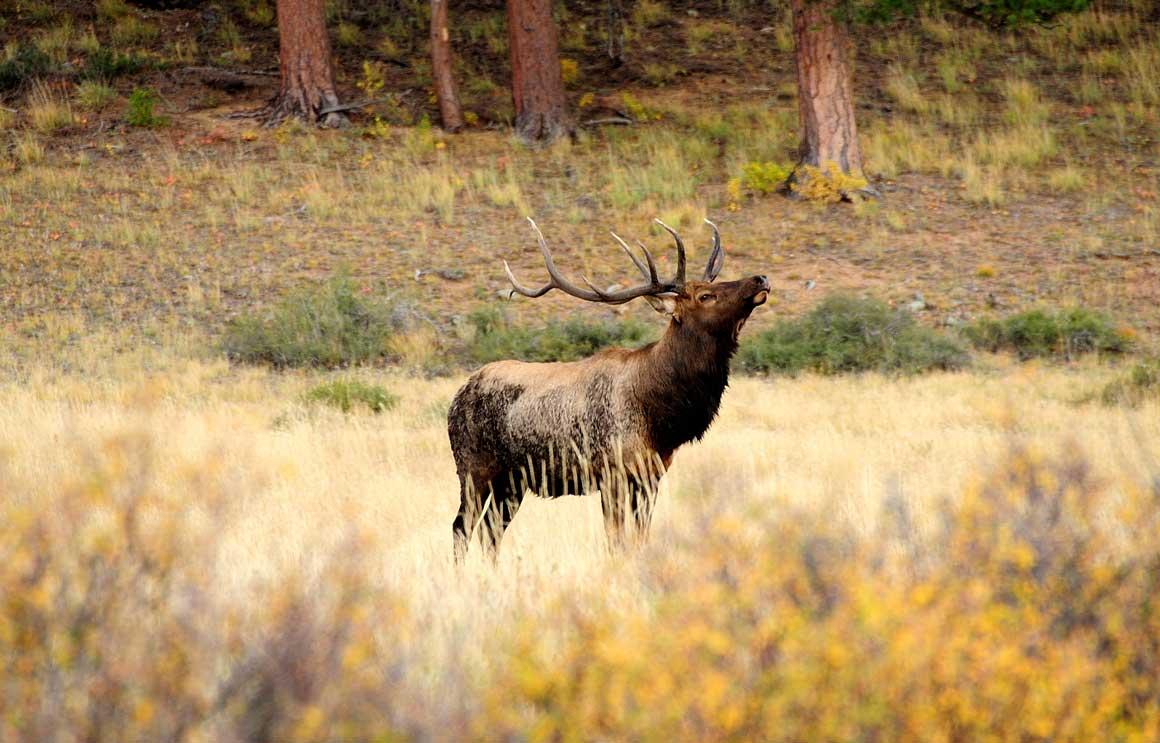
106 64
345 394
849 334
496 338
328 326
1041 334
764 177
21 65
141 104
1140 383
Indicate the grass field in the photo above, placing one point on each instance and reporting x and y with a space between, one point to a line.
297 531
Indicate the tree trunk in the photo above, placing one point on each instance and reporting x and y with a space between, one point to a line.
825 95
615 10
445 89
537 86
304 58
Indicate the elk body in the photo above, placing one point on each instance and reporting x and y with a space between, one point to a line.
608 423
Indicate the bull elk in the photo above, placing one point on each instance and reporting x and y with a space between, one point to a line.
608 423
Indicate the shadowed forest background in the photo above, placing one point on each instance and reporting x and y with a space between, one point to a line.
229 337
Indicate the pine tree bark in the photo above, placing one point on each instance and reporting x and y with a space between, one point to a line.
825 89
537 86
445 89
615 10
304 59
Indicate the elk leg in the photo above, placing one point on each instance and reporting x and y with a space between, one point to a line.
612 503
505 502
641 500
473 489
464 520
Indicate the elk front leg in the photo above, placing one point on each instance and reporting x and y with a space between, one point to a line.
613 504
506 498
471 488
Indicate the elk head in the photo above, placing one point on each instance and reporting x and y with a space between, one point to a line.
716 309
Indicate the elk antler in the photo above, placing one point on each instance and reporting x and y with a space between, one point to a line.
592 294
716 257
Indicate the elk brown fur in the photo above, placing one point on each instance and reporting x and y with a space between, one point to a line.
609 423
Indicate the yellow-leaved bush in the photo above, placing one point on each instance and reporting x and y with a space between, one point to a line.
1030 611
826 183
1034 615
112 627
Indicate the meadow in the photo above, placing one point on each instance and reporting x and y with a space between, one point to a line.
215 535
200 552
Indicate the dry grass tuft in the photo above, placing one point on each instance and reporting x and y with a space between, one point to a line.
48 109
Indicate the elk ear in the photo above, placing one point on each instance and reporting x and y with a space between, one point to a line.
666 305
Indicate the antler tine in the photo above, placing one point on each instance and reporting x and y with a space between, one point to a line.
558 281
521 289
716 257
592 294
603 295
636 261
652 266
679 279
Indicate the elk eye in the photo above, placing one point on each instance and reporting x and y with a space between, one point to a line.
706 297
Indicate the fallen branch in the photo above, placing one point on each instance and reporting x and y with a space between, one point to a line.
612 120
351 106
361 104
213 70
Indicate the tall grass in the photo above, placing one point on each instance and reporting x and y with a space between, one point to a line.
221 565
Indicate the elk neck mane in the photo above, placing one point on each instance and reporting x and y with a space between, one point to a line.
680 383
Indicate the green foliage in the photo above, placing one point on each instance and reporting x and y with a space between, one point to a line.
330 326
496 338
849 334
346 394
141 104
1040 334
765 178
21 65
1141 382
106 64
995 13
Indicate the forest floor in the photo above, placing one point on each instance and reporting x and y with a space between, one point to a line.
1016 171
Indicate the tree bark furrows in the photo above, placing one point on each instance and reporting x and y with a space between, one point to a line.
445 90
537 86
304 58
825 95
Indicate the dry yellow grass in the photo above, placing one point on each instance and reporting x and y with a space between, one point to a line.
423 646
304 475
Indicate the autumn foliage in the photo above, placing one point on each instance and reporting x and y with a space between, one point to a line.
1025 610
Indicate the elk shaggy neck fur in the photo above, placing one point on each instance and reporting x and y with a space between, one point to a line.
682 379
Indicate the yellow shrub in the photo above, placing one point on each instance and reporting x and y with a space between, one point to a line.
827 183
1030 618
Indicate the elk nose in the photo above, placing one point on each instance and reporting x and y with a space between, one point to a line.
764 281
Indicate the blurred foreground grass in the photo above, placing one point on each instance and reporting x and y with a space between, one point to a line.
191 551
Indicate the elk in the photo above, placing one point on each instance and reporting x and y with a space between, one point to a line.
609 423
